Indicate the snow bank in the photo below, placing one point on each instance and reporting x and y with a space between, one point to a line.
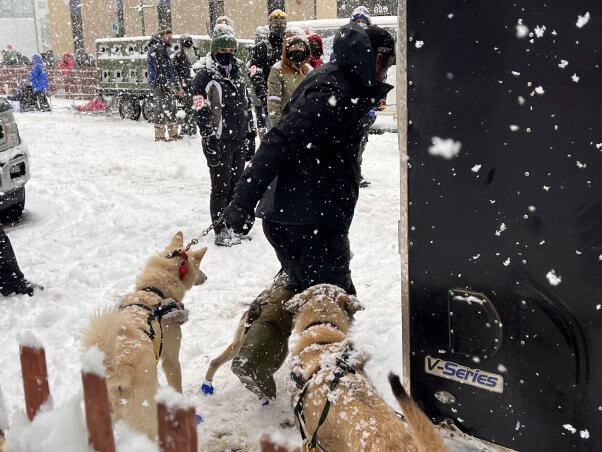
3 415
172 399
27 339
61 429
93 362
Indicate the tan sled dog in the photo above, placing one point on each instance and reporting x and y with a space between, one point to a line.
144 328
328 371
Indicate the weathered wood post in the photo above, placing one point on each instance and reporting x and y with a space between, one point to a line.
177 426
267 444
96 401
35 375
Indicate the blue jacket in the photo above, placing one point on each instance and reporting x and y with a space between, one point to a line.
160 67
38 76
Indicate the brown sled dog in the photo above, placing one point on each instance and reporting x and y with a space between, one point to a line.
144 328
325 367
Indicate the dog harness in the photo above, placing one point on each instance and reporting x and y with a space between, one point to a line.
342 368
155 315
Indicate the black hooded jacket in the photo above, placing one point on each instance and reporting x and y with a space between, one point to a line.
313 150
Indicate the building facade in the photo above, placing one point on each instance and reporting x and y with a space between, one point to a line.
76 24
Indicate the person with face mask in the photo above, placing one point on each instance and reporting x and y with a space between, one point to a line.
161 77
183 61
316 50
225 121
263 56
288 73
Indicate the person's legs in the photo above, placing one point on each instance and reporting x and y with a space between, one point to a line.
159 113
221 175
12 279
265 346
189 126
171 109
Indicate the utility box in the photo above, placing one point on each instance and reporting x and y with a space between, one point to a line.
505 219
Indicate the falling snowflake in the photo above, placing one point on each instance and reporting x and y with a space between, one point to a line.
522 31
583 20
584 434
332 100
419 44
445 147
581 165
553 278
539 90
515 73
569 427
514 127
501 229
563 64
575 78
539 31
506 262
476 168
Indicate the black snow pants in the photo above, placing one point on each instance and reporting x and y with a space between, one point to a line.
311 255
225 169
12 279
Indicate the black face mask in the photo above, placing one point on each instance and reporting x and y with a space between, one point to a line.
277 33
297 56
224 58
187 43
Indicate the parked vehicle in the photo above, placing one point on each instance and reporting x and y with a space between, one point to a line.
14 165
123 76
327 28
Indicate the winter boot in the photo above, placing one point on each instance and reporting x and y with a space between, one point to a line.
173 132
160 133
265 346
226 238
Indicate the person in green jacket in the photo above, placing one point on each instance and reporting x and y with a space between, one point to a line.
288 73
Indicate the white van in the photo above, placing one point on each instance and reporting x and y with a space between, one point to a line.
326 28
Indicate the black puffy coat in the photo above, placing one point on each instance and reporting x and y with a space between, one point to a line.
183 68
313 150
263 56
221 100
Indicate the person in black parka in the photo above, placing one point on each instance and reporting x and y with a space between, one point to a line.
183 61
225 120
307 212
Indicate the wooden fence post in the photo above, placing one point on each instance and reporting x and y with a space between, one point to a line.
96 400
35 375
177 426
267 444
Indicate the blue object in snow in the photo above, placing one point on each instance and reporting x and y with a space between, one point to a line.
207 388
198 419
38 76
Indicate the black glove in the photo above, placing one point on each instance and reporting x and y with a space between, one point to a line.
211 149
237 218
250 146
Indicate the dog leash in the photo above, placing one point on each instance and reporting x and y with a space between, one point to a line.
195 241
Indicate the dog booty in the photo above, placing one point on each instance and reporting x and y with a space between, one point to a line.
207 387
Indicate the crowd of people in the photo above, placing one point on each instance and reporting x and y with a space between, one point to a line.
10 57
303 180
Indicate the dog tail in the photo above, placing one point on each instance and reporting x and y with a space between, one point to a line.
427 437
103 332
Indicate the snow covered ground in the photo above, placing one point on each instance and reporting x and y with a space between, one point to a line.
103 197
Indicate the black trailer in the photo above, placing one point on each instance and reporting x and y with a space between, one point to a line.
501 227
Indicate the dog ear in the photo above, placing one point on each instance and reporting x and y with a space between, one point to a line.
350 303
176 242
198 254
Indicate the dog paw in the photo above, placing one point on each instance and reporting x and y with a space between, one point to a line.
207 388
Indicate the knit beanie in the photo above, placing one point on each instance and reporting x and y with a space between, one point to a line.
223 38
361 12
277 16
224 20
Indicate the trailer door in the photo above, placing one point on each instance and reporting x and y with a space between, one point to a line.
505 218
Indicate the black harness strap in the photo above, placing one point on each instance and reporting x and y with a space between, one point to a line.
342 368
154 290
155 313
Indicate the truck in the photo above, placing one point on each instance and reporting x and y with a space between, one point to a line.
123 76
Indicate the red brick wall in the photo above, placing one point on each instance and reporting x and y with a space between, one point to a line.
82 85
